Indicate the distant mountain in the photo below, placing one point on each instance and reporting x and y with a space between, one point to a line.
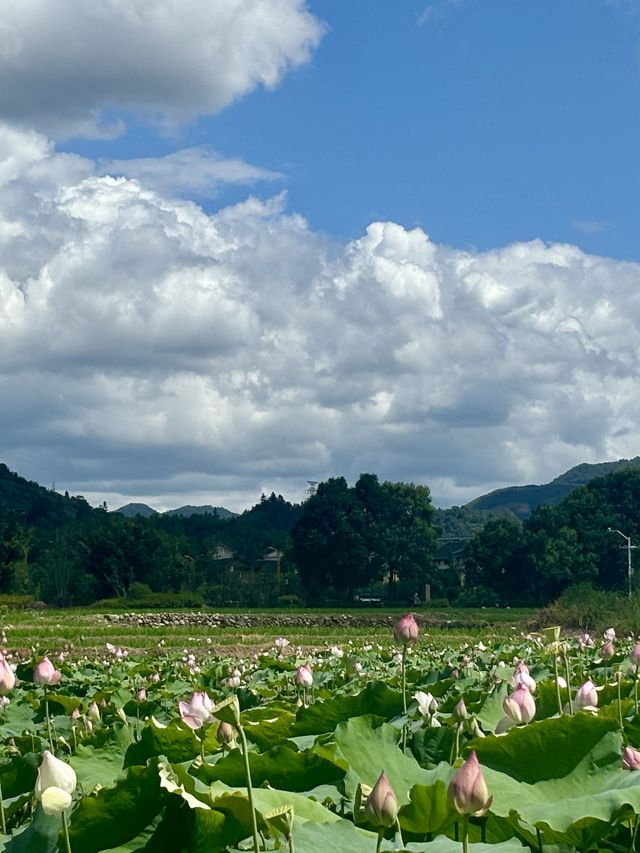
207 509
521 500
132 510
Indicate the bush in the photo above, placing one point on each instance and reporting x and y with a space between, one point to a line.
438 602
581 607
478 596
17 602
153 601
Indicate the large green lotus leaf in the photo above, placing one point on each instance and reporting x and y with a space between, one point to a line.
376 699
365 748
491 711
431 746
19 773
442 844
40 836
267 727
281 767
546 697
314 827
142 841
175 740
578 807
550 749
116 815
100 765
429 809
18 717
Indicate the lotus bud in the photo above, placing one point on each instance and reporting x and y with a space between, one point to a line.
468 793
141 695
607 650
586 697
226 733
520 706
7 677
197 711
406 629
586 641
634 654
55 783
304 676
522 676
75 714
460 712
155 677
610 634
631 758
45 673
475 729
381 806
87 725
93 712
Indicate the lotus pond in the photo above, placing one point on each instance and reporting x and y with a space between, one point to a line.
524 742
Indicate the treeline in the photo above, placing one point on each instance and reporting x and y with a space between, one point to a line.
558 546
376 539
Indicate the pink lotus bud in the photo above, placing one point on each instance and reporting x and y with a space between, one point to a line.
468 793
607 650
521 676
586 696
226 733
155 678
460 712
304 676
610 634
7 677
45 673
634 654
141 695
406 629
631 758
520 706
586 641
381 806
75 714
197 711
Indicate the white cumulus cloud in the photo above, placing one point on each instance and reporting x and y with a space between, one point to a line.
148 348
72 67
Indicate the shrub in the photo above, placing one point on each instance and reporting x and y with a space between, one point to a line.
478 596
153 601
581 607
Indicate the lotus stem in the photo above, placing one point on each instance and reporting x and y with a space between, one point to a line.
2 820
568 677
404 696
400 833
620 700
380 837
66 832
539 837
557 675
465 833
247 770
46 713
635 692
202 748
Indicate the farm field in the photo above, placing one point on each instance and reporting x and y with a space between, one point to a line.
384 737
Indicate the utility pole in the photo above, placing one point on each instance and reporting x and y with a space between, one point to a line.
630 548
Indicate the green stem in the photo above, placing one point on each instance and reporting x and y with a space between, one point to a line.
555 668
46 713
465 833
568 677
4 825
202 748
404 696
380 837
635 692
539 837
620 702
66 832
247 770
635 835
400 833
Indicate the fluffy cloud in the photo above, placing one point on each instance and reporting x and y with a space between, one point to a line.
75 68
151 350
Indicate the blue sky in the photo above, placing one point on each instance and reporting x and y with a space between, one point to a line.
249 243
482 122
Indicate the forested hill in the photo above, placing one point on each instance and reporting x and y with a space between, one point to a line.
522 500
34 505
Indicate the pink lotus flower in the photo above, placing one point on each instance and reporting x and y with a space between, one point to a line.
304 676
586 697
631 758
610 634
45 673
586 641
197 711
381 806
520 706
406 629
468 793
7 677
